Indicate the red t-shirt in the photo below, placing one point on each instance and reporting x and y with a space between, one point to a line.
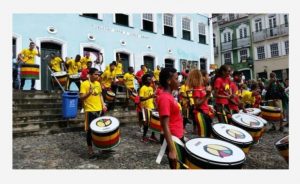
223 86
168 106
200 92
139 75
235 90
84 74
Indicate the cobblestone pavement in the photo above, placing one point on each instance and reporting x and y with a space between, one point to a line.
69 151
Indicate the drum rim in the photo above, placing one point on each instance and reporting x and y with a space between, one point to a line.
259 119
111 94
248 127
96 131
232 140
62 73
217 162
259 111
277 143
269 110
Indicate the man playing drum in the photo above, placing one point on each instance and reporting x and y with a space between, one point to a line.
129 84
90 94
108 77
85 59
74 66
27 56
55 63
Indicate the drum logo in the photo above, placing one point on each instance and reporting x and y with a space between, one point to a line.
218 150
103 122
236 134
251 123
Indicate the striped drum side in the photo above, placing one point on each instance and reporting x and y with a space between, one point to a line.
30 71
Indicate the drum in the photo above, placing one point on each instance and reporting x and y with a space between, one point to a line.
253 111
132 95
271 113
62 77
155 122
265 123
105 132
233 134
248 123
208 153
30 71
75 77
110 95
283 147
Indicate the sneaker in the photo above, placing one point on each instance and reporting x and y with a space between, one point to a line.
153 139
145 140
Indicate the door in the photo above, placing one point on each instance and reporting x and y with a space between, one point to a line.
202 64
247 74
46 49
149 62
169 63
125 60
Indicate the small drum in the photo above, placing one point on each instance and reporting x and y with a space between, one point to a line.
62 77
271 113
208 153
105 132
248 123
110 95
233 134
75 77
283 147
132 95
155 122
253 111
30 71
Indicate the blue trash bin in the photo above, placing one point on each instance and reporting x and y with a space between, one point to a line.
69 103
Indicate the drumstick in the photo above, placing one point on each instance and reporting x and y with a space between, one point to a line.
184 165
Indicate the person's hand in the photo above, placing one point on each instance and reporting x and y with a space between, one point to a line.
104 108
173 158
90 90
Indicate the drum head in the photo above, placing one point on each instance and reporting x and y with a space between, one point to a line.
104 124
214 150
253 111
155 113
270 108
111 93
247 121
259 119
58 74
232 133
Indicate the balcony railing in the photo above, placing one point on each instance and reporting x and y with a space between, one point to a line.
236 43
270 33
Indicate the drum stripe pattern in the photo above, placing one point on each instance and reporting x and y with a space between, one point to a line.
272 116
180 155
30 71
201 124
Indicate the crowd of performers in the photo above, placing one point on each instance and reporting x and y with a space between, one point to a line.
197 98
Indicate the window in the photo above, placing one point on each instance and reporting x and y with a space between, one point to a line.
272 21
169 63
148 22
149 62
168 25
122 19
258 25
241 33
274 50
202 35
231 16
286 20
243 54
286 46
245 32
186 28
227 58
260 52
90 15
227 37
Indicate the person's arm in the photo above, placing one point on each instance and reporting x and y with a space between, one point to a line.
102 102
84 96
38 50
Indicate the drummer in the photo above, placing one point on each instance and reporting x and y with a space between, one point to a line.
90 94
107 78
74 67
156 74
27 56
56 63
119 66
170 116
234 102
85 59
129 84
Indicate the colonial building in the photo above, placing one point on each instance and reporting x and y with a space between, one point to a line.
151 39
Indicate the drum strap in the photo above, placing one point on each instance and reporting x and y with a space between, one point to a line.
164 147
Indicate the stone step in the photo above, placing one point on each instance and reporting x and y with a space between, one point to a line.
20 107
36 95
23 119
36 112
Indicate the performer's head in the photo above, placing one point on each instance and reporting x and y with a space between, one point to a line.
195 79
168 78
146 79
130 69
224 71
158 67
94 74
89 64
237 76
31 45
112 66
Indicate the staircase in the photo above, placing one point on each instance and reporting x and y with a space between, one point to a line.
40 112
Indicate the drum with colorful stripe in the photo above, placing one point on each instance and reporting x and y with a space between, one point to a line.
253 111
263 130
271 113
233 134
75 77
155 122
30 71
283 147
208 153
110 95
62 77
248 123
105 132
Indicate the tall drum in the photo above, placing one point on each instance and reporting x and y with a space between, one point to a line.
155 122
248 123
271 113
282 146
233 134
62 77
105 132
30 71
208 153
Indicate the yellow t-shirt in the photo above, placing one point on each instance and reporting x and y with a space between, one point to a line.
93 102
56 64
107 78
183 90
119 69
145 92
73 66
156 74
84 61
129 80
247 97
29 55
